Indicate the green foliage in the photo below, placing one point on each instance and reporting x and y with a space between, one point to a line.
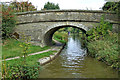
51 6
16 69
100 31
106 50
30 60
103 43
62 41
71 29
76 30
19 71
25 45
8 21
60 36
13 48
22 6
111 6
8 16
25 67
83 40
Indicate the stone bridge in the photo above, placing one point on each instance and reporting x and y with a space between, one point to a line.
41 25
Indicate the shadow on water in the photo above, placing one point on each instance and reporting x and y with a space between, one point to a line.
72 63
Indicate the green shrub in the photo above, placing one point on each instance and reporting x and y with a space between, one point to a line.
106 50
100 31
21 71
60 36
8 21
22 6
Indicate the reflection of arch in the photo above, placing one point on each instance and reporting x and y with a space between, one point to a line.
49 33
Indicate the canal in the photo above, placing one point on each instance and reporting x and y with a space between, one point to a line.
73 63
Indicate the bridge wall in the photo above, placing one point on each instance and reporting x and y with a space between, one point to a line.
65 15
41 25
41 33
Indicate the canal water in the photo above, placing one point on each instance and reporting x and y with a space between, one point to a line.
73 63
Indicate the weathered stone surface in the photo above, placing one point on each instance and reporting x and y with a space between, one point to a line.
41 25
64 15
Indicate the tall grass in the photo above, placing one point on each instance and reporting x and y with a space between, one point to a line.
106 50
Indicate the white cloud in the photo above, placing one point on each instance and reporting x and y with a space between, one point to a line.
112 0
68 4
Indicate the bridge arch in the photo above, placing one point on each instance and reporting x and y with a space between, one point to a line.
49 32
41 25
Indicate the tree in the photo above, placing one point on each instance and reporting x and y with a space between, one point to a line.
22 6
51 6
8 21
111 6
8 16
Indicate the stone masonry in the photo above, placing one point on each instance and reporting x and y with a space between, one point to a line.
41 25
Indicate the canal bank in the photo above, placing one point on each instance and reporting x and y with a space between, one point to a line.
46 60
18 67
106 50
72 63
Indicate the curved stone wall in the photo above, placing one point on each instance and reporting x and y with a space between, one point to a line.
41 25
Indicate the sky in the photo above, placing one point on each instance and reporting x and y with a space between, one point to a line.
68 4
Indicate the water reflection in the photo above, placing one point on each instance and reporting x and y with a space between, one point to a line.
72 63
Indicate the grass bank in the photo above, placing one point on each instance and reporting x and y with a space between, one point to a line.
60 36
30 60
106 50
23 68
11 48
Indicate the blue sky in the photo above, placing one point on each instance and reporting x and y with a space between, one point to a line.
69 4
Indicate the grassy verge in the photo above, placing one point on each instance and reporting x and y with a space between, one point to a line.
106 50
60 36
18 69
30 60
11 48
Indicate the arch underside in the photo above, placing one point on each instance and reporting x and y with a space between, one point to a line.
41 25
49 33
41 33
